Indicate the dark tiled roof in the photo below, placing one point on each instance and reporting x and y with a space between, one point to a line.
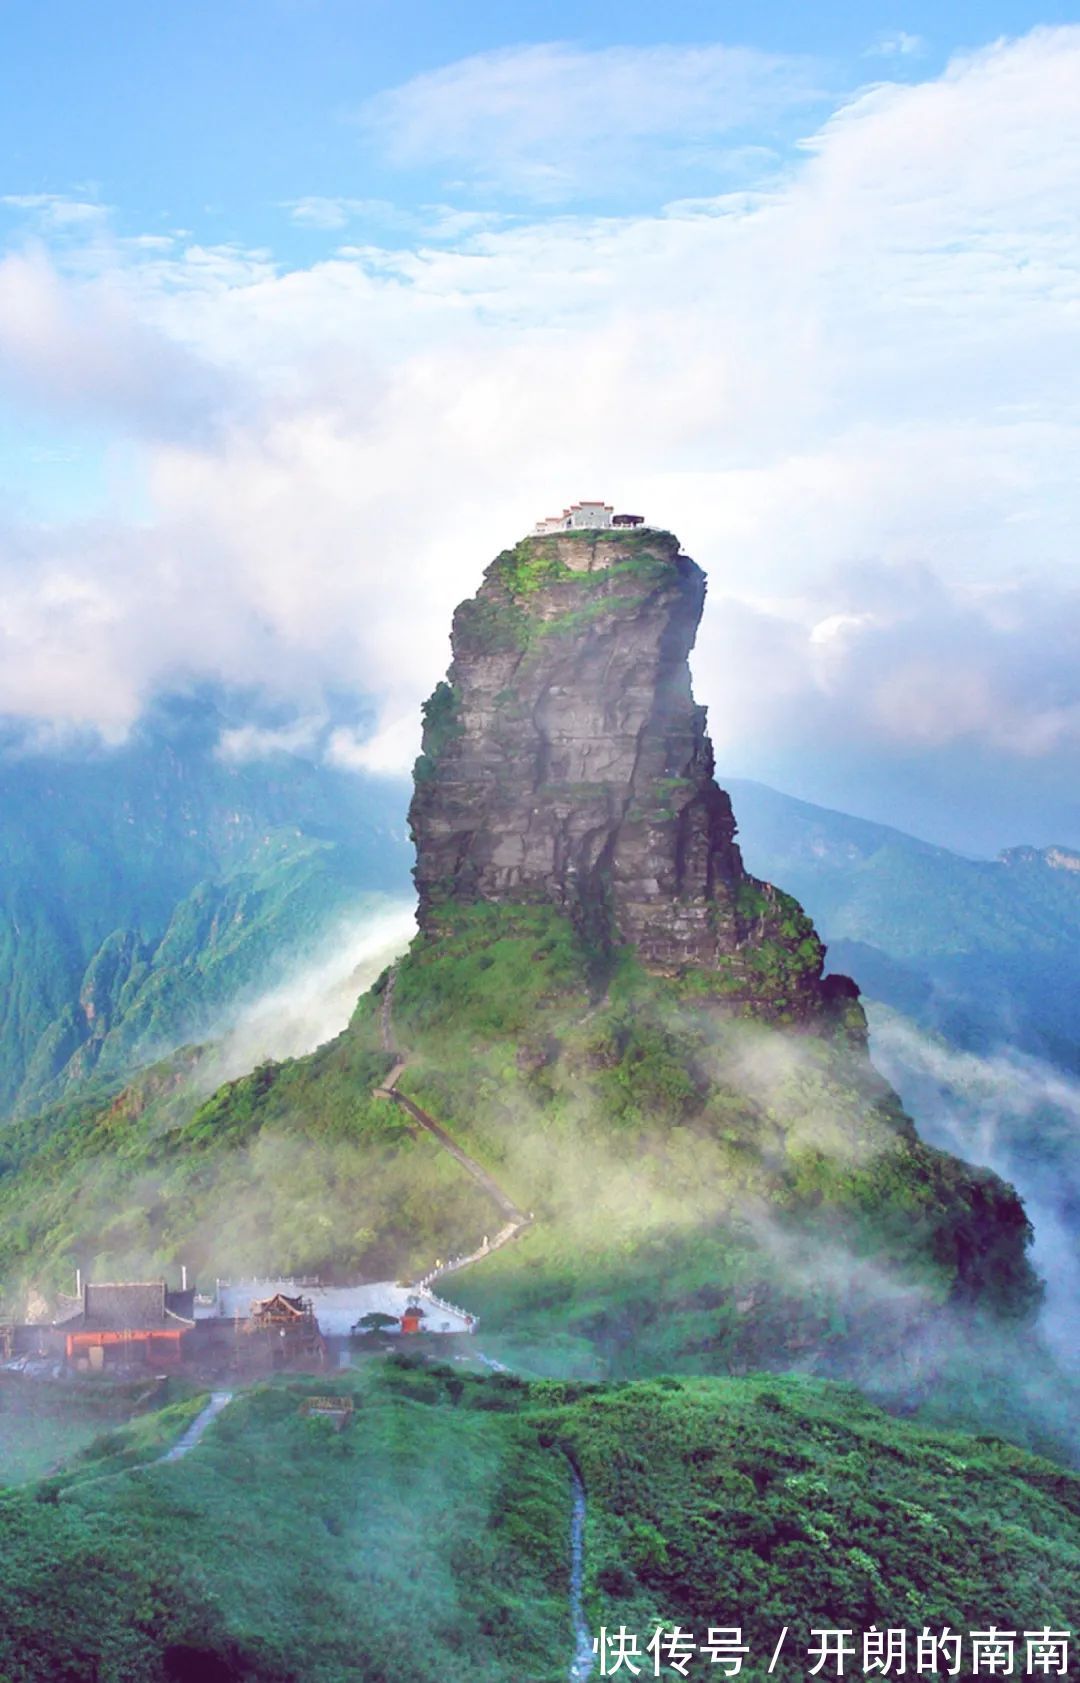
140 1306
181 1303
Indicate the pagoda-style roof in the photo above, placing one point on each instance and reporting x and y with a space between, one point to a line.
281 1306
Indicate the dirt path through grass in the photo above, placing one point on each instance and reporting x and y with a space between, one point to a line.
219 1400
515 1220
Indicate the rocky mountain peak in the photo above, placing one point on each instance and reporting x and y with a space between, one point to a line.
565 760
1051 858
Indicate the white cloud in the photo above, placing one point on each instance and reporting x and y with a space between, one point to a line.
258 742
56 213
989 1110
925 665
316 211
551 120
317 999
897 43
82 347
429 221
871 356
391 747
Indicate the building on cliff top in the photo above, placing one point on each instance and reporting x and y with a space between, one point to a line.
587 516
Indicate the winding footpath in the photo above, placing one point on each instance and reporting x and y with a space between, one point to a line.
515 1220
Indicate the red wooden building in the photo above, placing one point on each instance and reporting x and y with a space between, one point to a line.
284 1329
134 1321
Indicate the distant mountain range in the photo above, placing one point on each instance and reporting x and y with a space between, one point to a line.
143 888
983 951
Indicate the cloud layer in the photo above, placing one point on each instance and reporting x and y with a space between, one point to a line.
554 122
852 390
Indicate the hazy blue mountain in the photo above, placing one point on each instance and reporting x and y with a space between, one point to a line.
143 887
984 950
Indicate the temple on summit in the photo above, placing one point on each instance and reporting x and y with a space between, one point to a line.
587 516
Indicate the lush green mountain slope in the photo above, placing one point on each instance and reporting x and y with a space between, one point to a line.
709 1191
986 951
431 1538
976 965
607 1012
707 1194
630 1038
142 888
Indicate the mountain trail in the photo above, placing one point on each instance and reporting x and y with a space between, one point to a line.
219 1400
516 1220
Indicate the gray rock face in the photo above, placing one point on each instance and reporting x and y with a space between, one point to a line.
565 760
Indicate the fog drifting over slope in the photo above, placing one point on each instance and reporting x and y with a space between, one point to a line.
1017 1115
315 1003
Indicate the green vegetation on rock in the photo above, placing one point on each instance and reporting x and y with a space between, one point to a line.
441 725
971 968
682 1163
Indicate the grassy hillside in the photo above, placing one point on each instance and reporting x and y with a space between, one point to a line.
141 888
644 1126
708 1193
784 1502
431 1538
295 1167
41 1426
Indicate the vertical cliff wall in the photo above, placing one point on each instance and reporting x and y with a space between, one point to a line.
565 760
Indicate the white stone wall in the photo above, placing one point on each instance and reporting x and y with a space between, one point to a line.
590 516
337 1308
579 517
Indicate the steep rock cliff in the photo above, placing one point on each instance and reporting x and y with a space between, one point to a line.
703 1189
565 760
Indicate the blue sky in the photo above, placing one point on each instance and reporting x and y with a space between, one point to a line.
306 309
213 116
